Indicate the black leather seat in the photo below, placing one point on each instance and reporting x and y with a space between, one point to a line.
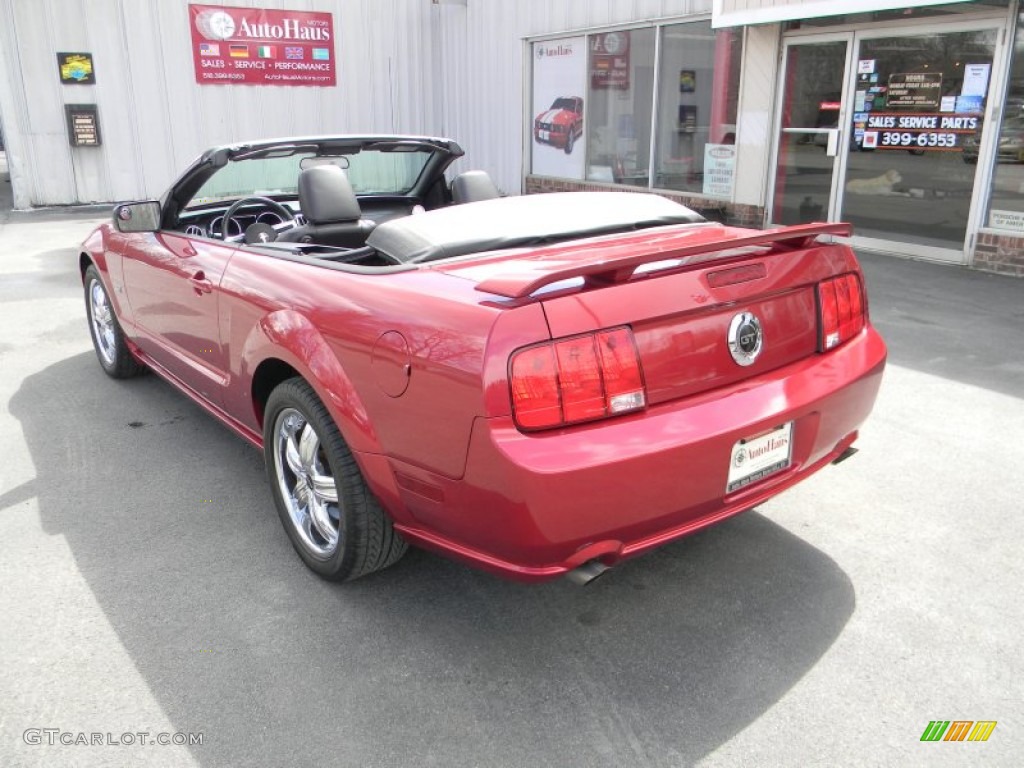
472 187
331 210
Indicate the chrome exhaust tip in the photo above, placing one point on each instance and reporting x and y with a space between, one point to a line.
586 573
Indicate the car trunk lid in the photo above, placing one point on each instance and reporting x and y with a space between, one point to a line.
683 292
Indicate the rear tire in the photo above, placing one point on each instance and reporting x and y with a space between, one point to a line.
107 337
333 520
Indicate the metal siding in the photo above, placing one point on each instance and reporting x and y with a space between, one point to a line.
154 117
484 68
742 12
13 114
43 119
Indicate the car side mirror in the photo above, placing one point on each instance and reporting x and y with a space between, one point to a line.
137 217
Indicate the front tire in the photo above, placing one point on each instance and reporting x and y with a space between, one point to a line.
333 520
107 336
569 142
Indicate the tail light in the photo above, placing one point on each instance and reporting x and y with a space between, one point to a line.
841 310
578 379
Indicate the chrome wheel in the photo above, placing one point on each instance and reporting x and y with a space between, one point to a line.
306 483
102 319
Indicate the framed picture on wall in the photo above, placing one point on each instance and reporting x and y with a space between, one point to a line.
687 118
76 68
687 81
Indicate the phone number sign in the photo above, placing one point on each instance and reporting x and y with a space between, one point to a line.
259 46
926 131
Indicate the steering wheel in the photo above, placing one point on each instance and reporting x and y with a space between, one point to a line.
286 214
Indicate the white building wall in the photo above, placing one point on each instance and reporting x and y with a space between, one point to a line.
154 117
453 68
737 12
755 124
484 77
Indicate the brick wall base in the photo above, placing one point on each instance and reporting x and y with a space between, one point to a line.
999 253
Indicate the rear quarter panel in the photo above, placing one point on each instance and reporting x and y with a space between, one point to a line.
339 329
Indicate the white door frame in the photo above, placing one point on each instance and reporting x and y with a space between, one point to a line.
997 20
838 161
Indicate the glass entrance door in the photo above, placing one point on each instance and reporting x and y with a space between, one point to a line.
885 131
812 117
915 130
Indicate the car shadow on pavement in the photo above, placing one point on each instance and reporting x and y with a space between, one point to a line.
171 524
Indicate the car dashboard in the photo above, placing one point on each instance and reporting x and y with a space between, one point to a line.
208 220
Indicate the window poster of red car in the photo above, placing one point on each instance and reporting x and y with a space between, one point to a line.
259 46
559 84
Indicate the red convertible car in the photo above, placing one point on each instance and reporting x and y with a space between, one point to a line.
561 125
537 385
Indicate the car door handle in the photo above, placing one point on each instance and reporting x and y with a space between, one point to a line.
200 284
188 250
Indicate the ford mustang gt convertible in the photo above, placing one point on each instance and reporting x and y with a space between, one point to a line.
536 385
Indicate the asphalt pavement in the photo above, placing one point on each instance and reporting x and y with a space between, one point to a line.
148 586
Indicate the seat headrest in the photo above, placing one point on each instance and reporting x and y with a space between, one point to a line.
472 187
326 196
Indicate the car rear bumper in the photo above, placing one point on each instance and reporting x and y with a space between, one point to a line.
532 507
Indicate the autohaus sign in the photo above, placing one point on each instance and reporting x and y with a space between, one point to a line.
260 46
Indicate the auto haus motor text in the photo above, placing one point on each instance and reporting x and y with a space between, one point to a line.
313 30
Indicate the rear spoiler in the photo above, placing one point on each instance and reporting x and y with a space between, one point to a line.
615 270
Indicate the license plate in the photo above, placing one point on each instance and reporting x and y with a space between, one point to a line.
545 136
756 458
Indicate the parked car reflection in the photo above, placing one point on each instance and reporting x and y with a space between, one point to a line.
1011 142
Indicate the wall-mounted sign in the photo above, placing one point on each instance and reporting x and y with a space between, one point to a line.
914 90
83 125
609 60
259 46
688 118
76 68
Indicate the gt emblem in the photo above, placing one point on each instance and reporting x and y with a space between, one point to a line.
745 338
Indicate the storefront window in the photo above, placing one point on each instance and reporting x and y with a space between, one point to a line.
1006 204
698 91
620 92
916 124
